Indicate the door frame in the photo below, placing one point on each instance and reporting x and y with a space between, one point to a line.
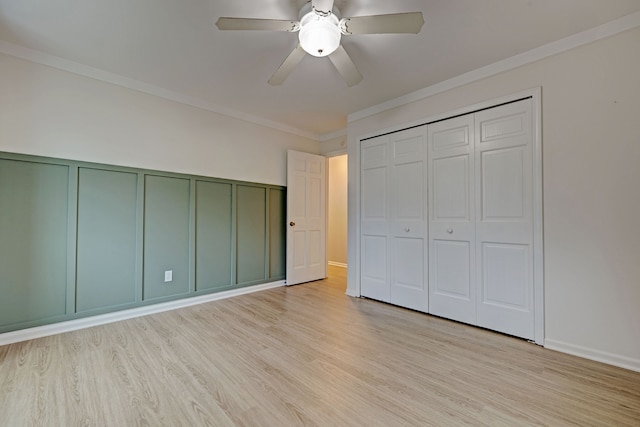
354 254
328 156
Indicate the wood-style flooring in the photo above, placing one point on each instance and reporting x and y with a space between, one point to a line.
304 355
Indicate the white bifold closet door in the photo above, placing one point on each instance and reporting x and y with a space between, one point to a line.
481 219
504 219
452 278
393 219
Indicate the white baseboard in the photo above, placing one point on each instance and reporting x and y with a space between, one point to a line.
337 264
102 319
597 355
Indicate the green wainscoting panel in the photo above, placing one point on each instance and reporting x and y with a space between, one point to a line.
213 235
33 242
277 233
166 236
106 259
79 239
251 233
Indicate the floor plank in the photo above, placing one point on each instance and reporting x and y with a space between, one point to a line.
304 355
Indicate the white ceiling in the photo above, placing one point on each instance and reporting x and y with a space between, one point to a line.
174 45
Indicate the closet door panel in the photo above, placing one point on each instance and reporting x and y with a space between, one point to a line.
452 291
374 199
408 263
505 275
408 219
374 219
503 185
375 272
450 176
504 229
452 276
409 187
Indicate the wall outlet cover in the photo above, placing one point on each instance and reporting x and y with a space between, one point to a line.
168 276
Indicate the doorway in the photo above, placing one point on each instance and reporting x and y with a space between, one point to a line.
337 214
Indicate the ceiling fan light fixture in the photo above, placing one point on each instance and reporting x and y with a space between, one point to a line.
319 35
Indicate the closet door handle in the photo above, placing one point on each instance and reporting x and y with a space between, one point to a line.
407 229
450 230
292 224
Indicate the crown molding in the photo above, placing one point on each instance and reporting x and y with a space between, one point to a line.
609 29
597 33
331 135
53 61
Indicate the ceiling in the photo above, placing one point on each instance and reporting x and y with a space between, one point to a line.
174 45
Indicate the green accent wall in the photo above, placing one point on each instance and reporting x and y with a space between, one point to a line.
251 235
107 228
79 239
214 235
277 232
33 241
166 236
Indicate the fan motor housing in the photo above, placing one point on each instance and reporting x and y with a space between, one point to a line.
319 35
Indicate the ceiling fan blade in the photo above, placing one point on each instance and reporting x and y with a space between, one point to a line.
410 22
257 24
322 7
287 66
345 66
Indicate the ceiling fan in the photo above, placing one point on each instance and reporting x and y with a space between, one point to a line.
320 29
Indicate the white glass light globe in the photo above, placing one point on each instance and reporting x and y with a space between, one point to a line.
319 36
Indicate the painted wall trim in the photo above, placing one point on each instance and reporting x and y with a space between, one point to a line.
103 319
116 79
328 136
337 264
596 355
609 29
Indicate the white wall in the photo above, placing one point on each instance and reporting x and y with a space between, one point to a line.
337 210
49 112
591 174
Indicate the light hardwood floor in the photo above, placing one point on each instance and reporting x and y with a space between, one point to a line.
304 355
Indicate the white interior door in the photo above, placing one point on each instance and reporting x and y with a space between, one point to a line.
408 226
452 290
482 222
374 219
504 219
306 217
481 219
393 219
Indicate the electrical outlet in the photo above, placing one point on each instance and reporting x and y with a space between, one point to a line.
168 276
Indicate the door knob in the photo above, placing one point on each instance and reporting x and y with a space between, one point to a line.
292 223
450 230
